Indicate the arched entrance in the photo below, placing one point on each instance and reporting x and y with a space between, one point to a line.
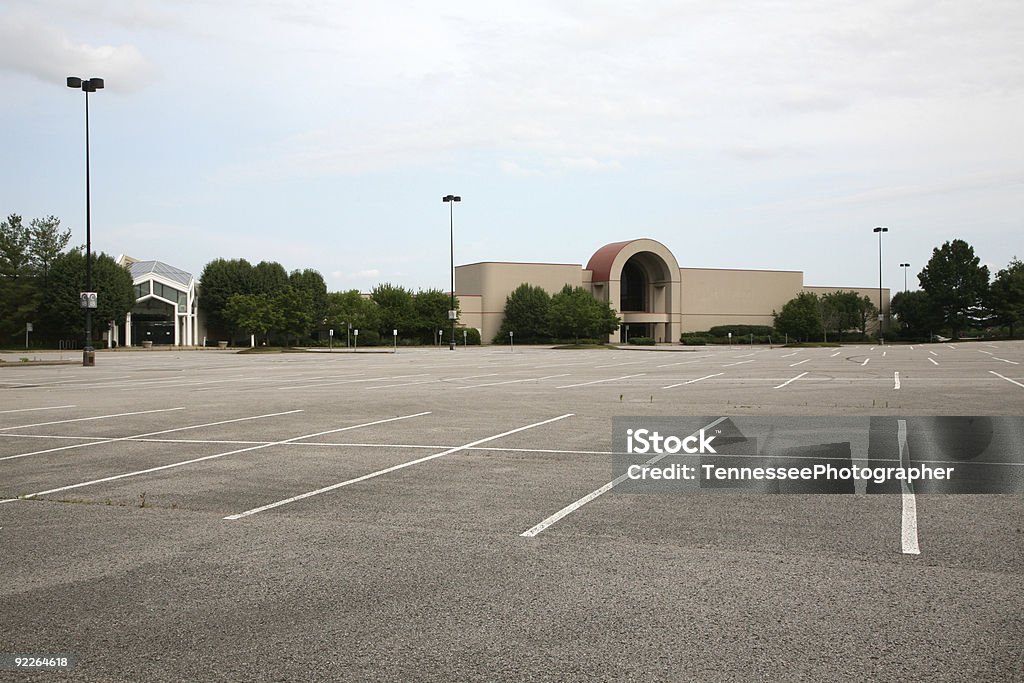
640 278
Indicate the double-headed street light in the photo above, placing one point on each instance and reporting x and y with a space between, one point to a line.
881 316
904 266
88 300
450 199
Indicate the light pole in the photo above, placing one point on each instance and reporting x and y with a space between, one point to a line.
904 266
881 316
450 199
88 353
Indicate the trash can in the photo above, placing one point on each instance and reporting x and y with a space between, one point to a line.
88 356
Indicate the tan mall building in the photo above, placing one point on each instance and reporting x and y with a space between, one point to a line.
644 283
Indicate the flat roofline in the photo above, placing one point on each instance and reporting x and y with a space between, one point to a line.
746 270
519 263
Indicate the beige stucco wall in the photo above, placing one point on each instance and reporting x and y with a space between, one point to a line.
714 296
492 282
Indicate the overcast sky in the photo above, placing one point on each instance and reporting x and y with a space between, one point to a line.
323 134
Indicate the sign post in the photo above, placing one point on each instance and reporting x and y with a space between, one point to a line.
511 342
28 328
394 335
355 340
330 340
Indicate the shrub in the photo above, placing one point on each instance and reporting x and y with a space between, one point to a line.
642 341
369 338
472 336
742 331
692 341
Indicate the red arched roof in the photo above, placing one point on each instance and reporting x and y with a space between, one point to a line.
600 263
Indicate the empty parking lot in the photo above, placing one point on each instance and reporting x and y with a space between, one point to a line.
209 515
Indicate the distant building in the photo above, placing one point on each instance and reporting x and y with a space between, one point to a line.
644 283
165 311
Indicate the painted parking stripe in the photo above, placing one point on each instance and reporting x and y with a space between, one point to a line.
866 360
615 365
673 386
208 457
685 362
788 355
387 470
932 352
600 381
835 354
739 363
988 352
102 441
933 361
800 362
896 379
790 380
908 522
1011 381
572 507
512 381
26 410
94 417
1012 362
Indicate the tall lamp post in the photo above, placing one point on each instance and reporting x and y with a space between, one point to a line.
904 266
88 300
881 316
450 199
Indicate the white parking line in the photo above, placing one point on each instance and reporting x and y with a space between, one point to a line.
896 378
25 410
512 381
799 362
387 470
739 363
988 352
883 353
790 380
599 381
673 386
835 354
140 436
788 355
208 457
572 507
95 417
685 362
1012 362
1012 381
615 365
932 352
908 523
933 361
866 360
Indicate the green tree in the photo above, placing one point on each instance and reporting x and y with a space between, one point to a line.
526 315
221 279
46 244
956 284
800 317
294 309
841 311
269 277
255 314
18 291
311 282
60 309
916 315
1006 298
351 308
395 306
431 308
574 312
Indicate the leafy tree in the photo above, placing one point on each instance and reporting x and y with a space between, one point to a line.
396 308
60 311
294 308
800 317
18 293
1006 298
574 312
916 314
311 282
269 277
841 311
15 240
351 308
431 308
253 313
956 283
46 244
221 279
526 315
